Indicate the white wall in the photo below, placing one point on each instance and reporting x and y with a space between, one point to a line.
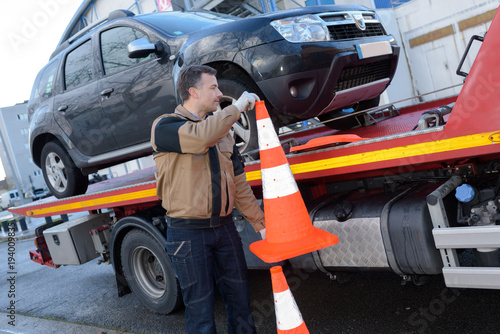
366 3
433 64
401 88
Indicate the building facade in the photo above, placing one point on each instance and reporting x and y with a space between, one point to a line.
15 147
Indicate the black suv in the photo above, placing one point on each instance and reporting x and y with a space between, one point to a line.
93 104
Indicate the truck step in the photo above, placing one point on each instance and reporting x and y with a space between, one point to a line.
472 277
467 237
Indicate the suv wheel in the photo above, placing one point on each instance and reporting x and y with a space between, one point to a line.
245 129
61 175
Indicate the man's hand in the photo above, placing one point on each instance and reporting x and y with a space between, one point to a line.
246 101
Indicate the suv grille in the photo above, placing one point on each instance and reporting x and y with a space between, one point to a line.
350 31
359 75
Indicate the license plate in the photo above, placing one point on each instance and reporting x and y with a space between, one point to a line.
373 49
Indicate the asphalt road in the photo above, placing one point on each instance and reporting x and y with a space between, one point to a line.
81 296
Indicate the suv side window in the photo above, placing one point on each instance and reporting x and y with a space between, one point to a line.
78 66
46 84
114 48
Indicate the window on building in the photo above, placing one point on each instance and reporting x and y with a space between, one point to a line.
22 117
78 66
114 48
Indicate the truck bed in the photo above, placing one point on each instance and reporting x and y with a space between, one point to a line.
139 188
405 122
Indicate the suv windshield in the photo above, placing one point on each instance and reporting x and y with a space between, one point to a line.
176 25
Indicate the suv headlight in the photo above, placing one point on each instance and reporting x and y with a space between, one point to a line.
299 29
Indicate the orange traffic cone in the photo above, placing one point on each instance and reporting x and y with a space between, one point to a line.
288 317
289 230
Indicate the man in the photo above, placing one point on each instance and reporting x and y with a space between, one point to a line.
200 178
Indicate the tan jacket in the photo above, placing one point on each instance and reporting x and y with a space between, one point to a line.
200 173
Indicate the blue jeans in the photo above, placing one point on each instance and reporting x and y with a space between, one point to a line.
200 256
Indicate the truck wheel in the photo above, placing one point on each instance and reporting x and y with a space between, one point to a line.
61 175
245 130
149 273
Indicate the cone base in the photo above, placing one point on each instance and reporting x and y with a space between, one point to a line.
302 329
276 252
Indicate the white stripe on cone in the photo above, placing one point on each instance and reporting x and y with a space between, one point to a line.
266 134
287 312
278 182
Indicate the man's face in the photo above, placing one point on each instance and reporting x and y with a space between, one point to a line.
209 93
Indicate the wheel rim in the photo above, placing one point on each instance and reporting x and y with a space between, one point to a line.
56 172
241 129
149 272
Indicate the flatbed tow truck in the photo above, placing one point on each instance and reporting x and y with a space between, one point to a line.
409 194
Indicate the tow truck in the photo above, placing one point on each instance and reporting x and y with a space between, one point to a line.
414 191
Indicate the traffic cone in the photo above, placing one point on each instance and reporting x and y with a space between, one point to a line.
289 230
288 317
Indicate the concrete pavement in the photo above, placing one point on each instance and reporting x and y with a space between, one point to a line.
34 325
37 325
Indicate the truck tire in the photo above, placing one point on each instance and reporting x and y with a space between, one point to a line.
61 175
149 273
245 129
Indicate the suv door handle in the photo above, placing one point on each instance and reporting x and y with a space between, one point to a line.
62 108
107 92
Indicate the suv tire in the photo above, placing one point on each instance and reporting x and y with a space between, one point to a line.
61 175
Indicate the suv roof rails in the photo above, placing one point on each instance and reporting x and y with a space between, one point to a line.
116 14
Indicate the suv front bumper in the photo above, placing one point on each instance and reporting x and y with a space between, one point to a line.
314 80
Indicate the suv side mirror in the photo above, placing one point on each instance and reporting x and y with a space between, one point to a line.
141 48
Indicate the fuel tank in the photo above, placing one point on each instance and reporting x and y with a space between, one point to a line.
378 231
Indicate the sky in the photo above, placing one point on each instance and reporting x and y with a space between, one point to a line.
29 33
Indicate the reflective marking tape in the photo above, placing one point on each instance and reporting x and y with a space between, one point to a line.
278 182
409 151
267 135
102 202
287 312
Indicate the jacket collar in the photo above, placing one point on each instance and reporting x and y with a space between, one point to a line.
180 110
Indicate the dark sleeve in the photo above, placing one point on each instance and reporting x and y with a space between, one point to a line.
238 164
165 136
173 133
